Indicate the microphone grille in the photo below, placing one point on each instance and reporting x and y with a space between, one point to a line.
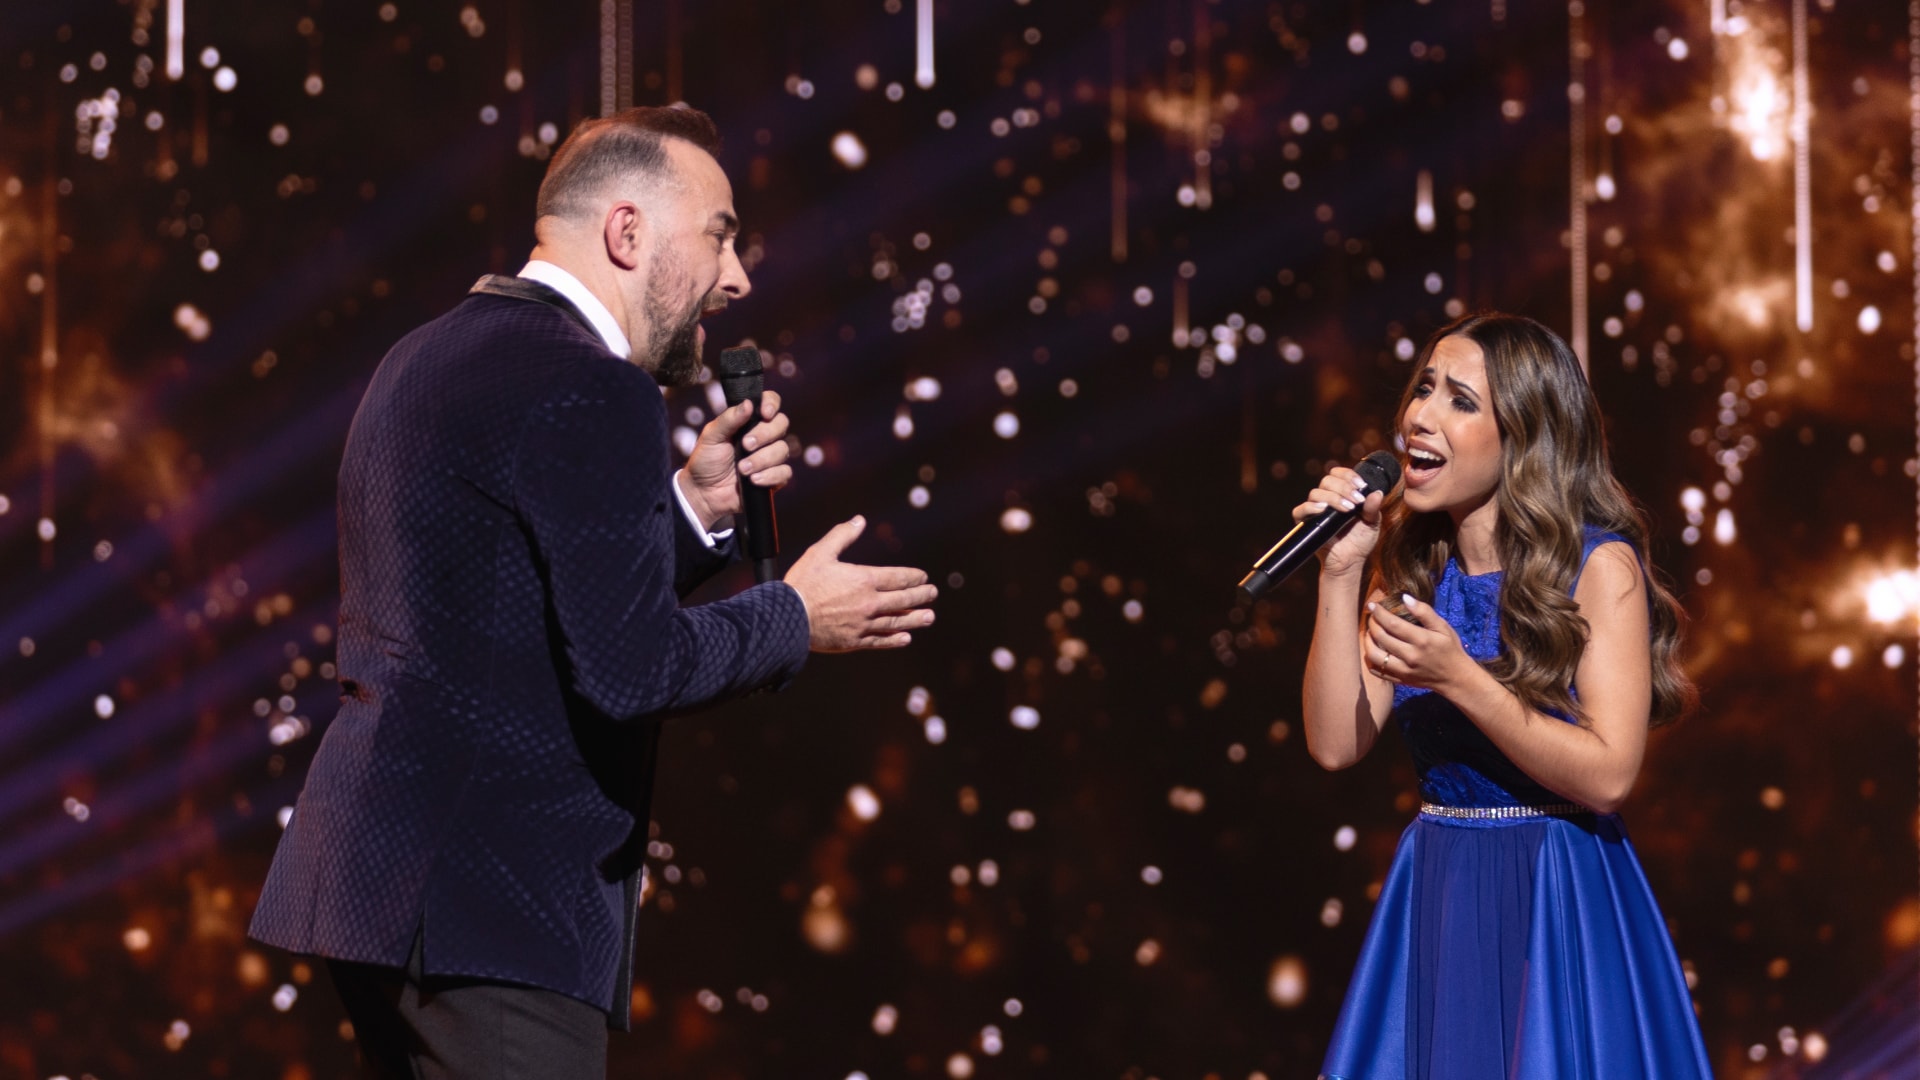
741 376
1381 470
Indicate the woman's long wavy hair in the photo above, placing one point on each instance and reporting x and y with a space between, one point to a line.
1555 480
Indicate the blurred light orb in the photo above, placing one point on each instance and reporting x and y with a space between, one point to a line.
136 939
959 1067
863 802
1006 425
1331 912
885 1019
1003 659
47 530
918 497
924 388
825 928
315 84
1151 875
209 58
225 80
1723 530
1869 319
1677 48
1893 597
935 729
1893 656
1344 837
1016 520
1356 43
1021 820
1024 717
209 260
1287 981
850 151
1842 657
284 997
1815 1046
1013 1007
103 707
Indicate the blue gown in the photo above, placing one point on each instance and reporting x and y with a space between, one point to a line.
1523 947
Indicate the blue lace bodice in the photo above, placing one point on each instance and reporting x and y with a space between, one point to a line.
1457 764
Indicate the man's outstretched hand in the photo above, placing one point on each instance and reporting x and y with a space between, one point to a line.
850 606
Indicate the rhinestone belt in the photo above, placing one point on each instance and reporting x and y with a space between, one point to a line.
1485 813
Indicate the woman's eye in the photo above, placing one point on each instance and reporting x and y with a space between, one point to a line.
1463 404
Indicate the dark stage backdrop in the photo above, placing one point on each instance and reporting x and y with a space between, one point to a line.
1074 315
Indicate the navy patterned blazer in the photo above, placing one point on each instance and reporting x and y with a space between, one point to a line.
512 557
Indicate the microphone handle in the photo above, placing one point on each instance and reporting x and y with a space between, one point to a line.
760 535
1294 550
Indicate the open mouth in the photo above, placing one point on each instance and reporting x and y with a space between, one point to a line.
1423 465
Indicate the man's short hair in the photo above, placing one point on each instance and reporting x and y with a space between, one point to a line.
626 147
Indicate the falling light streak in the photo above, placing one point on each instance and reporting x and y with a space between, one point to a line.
1179 313
1117 131
676 65
1717 16
1577 199
609 57
923 58
176 39
1202 106
1913 208
1802 174
49 330
1423 201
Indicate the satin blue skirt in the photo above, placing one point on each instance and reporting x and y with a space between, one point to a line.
1529 949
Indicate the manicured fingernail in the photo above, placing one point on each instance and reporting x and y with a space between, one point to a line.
1359 481
1407 599
1345 504
1371 605
1318 505
746 466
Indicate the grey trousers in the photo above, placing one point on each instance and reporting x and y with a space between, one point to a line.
413 1027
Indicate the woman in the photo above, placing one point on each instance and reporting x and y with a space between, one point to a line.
1511 630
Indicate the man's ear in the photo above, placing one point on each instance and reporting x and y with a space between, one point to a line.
625 233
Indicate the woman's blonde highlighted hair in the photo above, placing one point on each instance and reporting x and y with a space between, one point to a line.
1555 480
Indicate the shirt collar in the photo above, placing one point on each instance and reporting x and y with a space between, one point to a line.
567 285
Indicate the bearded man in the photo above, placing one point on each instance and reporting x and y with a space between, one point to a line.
514 544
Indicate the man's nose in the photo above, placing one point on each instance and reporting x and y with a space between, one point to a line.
733 276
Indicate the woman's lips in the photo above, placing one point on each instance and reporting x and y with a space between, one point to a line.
1419 475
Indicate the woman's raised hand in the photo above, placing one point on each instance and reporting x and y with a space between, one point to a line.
1344 489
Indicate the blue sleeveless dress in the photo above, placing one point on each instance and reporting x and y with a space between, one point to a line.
1517 947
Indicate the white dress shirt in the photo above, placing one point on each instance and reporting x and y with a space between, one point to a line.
602 321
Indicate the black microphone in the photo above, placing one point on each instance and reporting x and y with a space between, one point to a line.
741 379
1381 470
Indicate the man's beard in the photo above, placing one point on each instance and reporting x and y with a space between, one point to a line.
673 353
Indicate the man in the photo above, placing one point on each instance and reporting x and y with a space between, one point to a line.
514 543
